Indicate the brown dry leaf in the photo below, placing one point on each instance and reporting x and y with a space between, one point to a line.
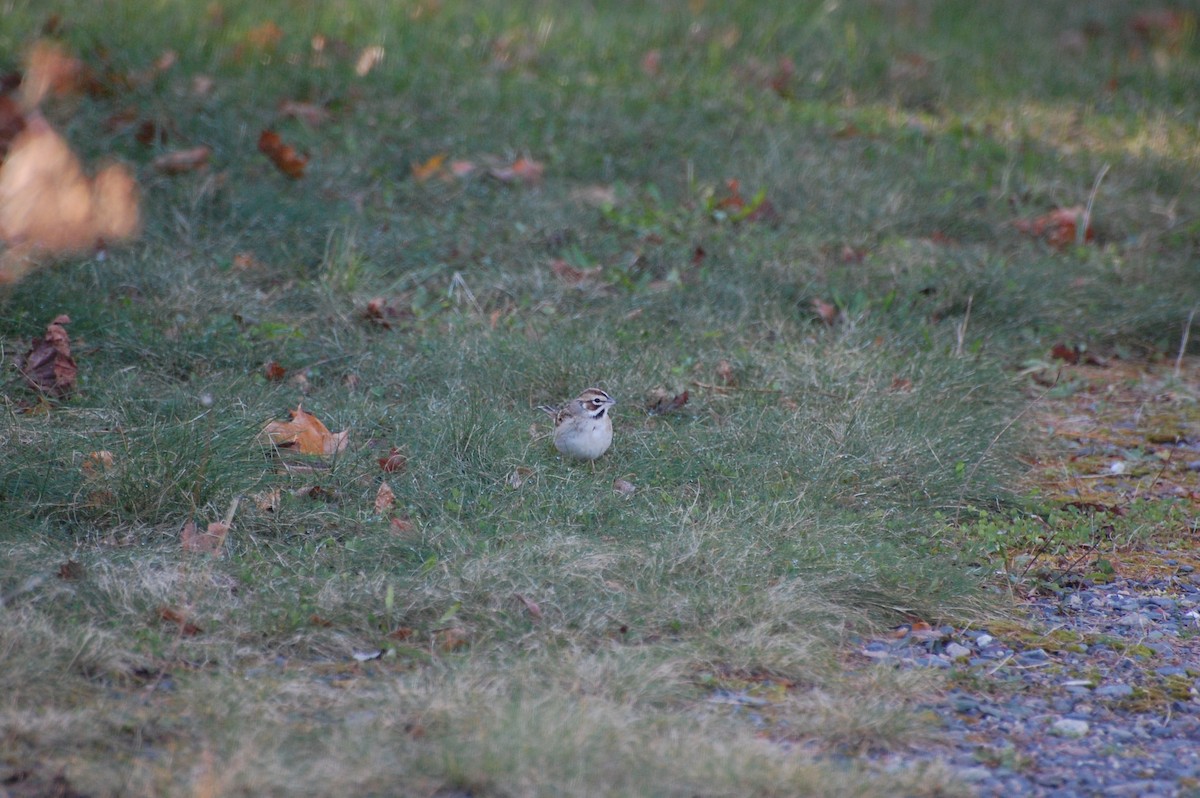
210 541
385 498
826 311
453 638
311 114
624 487
274 372
401 633
423 171
517 477
382 312
48 70
523 170
725 373
245 262
403 526
396 461
901 385
178 162
284 156
530 605
572 275
96 464
48 367
1067 354
663 402
317 620
48 204
305 433
268 500
179 618
368 59
265 37
461 169
1059 227
71 571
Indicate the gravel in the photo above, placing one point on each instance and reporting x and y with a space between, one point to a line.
1100 696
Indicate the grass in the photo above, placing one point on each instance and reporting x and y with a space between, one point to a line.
794 503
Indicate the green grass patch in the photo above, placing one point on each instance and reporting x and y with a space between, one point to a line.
881 154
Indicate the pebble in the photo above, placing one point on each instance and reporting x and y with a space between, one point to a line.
1067 715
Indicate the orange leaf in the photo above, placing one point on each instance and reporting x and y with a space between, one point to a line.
310 114
210 541
423 171
180 618
523 170
284 156
403 526
177 162
274 372
385 497
666 403
305 434
571 275
825 311
395 461
97 463
47 203
1059 227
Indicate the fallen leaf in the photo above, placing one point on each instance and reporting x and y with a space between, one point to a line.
401 633
274 372
48 70
382 312
461 169
71 571
245 262
624 487
268 500
48 367
726 374
284 156
96 464
305 433
826 312
179 618
651 63
368 59
310 114
210 541
516 478
1067 354
48 204
385 498
451 639
423 171
530 605
523 170
395 461
178 162
317 620
1059 227
901 385
572 275
663 402
403 526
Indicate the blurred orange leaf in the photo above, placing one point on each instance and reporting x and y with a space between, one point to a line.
423 171
180 619
1059 227
523 170
663 403
274 372
305 433
284 156
210 541
308 113
48 204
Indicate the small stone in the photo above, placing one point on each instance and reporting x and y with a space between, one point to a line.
956 652
1133 619
1171 670
1032 657
983 640
1114 691
1069 727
